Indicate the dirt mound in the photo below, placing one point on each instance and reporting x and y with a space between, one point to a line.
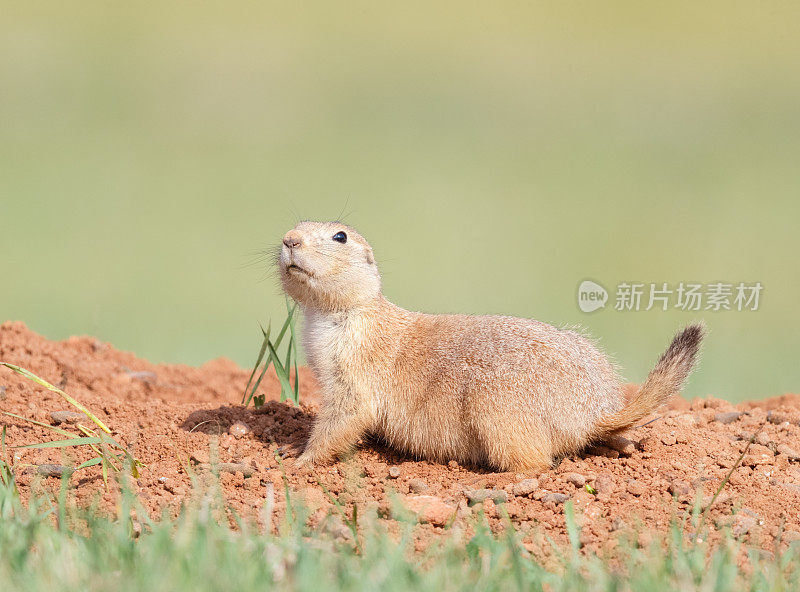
177 419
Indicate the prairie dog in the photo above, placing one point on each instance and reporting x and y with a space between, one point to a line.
502 392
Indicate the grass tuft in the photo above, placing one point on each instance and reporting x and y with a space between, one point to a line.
269 349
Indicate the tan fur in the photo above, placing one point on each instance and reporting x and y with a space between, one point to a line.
497 391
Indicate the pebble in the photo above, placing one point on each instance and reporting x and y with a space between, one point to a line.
50 470
688 420
476 496
742 524
788 452
576 479
430 509
70 417
200 457
242 468
557 498
728 417
142 375
636 487
621 444
375 471
239 429
604 484
417 485
763 439
679 488
525 487
759 449
669 439
776 418
394 472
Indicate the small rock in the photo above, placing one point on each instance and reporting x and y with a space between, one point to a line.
429 508
759 449
576 479
452 464
375 470
242 468
50 470
58 417
776 418
239 429
688 420
525 487
476 496
636 488
604 484
763 439
788 452
200 457
2 392
728 417
168 484
394 472
556 498
141 375
679 488
668 439
621 444
742 524
417 485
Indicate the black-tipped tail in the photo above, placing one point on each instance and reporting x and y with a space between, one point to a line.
664 381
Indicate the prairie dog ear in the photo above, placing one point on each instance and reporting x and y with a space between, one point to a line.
370 256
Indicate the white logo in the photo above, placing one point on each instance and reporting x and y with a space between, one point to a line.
591 296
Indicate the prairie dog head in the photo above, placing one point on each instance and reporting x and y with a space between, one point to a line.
328 266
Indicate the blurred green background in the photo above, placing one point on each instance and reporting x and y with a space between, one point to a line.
494 154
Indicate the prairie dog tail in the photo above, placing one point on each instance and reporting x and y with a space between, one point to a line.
665 380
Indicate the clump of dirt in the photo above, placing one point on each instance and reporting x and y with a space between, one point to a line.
181 420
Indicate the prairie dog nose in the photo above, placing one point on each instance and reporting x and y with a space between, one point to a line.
292 239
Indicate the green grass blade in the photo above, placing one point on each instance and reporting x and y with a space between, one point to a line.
286 324
260 378
90 463
261 353
287 364
283 377
31 376
293 345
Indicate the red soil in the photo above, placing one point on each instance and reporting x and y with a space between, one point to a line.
169 414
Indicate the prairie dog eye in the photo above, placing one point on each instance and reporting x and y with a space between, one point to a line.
340 237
